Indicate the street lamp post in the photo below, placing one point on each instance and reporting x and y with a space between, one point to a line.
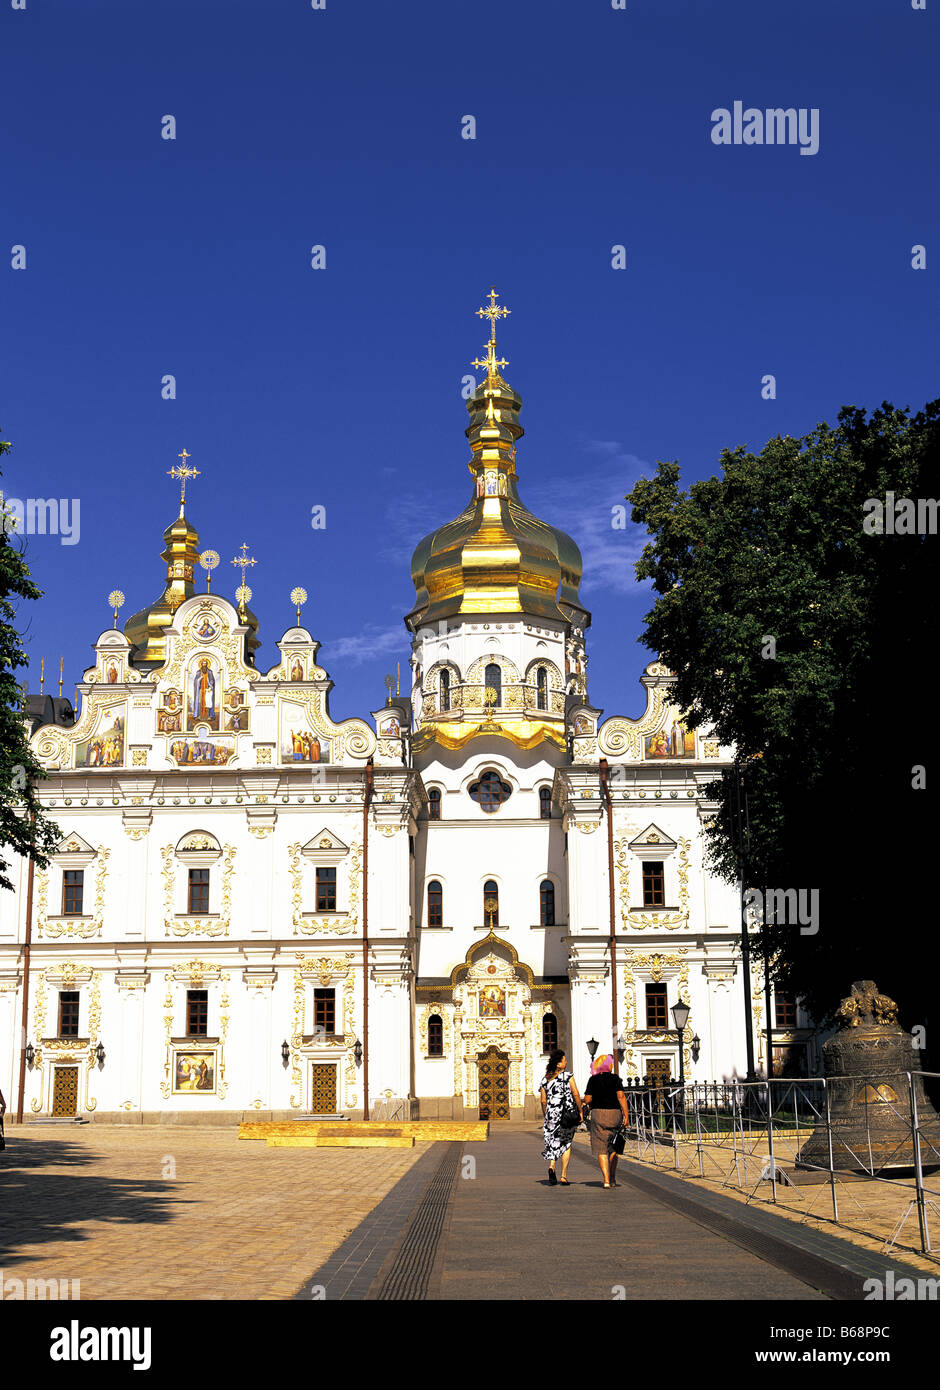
680 1017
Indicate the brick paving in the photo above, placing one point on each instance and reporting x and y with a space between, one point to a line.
234 1220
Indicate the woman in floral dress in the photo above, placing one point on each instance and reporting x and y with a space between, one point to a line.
561 1106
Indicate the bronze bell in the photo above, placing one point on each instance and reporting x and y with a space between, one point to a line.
866 1063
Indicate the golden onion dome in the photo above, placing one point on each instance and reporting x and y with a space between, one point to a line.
146 630
496 556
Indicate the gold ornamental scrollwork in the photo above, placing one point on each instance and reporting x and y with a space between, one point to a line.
346 925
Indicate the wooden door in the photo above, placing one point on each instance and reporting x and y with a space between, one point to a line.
323 1088
65 1091
494 1085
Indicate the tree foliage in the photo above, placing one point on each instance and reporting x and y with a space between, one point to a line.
23 828
830 729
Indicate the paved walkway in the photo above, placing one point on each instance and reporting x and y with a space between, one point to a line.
512 1236
180 1212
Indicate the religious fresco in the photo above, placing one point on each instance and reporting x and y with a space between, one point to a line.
674 741
106 747
492 1002
204 693
205 629
190 752
491 483
170 713
235 712
390 727
193 1071
305 747
297 669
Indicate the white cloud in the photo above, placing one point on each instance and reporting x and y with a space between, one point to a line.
584 510
365 646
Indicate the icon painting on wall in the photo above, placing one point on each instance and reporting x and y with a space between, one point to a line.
674 741
194 1071
106 747
205 693
305 747
235 713
170 713
492 1002
196 752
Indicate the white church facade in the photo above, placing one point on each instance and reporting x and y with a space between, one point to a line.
257 911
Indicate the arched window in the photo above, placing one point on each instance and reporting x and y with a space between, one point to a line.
549 1033
493 678
541 687
435 1036
490 904
435 904
547 903
545 803
434 803
445 691
491 791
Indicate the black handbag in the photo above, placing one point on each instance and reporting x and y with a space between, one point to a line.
3 1142
619 1142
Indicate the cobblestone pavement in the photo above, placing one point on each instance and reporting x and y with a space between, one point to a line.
167 1212
870 1211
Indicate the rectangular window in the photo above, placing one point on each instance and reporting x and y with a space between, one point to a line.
197 1013
654 883
435 905
784 1010
73 892
324 1010
198 901
326 890
656 1014
68 1013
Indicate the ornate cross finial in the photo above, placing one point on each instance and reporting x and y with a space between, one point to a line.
183 471
243 562
491 362
493 313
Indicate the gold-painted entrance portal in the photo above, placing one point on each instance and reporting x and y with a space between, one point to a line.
65 1091
323 1088
493 1067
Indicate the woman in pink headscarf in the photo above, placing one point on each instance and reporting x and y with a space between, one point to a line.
605 1095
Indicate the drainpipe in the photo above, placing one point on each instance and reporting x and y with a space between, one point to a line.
367 801
605 793
25 1017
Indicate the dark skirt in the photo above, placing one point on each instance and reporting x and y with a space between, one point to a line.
604 1125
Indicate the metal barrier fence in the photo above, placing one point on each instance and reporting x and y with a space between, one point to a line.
754 1133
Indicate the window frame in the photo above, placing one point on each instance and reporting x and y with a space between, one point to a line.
653 876
191 897
546 903
197 1011
78 890
656 995
438 909
325 887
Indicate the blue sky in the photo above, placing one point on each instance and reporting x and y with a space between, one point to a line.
341 387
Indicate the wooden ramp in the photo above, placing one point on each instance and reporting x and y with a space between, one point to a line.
362 1134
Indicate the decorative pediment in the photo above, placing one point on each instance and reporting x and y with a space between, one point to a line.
325 848
198 849
74 852
653 840
489 959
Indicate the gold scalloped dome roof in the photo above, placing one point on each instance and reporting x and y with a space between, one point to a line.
496 556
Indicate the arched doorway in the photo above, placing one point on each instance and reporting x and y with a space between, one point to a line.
493 1067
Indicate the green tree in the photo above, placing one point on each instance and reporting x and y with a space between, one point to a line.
23 828
802 639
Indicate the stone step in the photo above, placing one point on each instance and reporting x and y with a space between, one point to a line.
467 1131
341 1141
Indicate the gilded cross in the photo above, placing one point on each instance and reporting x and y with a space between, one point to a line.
183 471
242 561
493 313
